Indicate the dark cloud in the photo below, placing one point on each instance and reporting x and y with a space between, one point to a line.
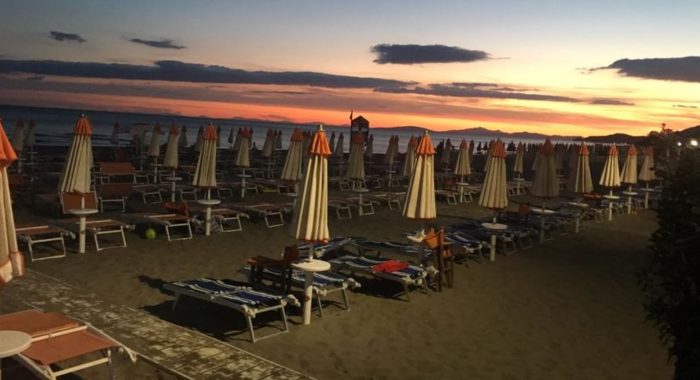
611 102
685 69
66 37
159 44
177 71
683 106
416 54
474 90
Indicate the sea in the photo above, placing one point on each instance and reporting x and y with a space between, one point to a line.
54 127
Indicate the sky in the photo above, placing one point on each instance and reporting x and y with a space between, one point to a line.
577 68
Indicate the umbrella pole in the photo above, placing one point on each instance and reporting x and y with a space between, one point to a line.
610 205
243 184
646 196
629 199
207 221
172 186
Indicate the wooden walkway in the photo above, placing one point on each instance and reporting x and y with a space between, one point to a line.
174 349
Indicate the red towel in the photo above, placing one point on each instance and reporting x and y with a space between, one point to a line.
390 266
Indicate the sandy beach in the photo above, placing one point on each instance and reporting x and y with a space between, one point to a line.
569 308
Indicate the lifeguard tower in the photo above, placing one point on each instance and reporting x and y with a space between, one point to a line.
359 125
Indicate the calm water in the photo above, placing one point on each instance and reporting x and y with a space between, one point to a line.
55 127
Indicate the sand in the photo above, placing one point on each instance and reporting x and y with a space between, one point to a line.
566 309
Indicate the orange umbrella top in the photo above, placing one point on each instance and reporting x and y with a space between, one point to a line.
547 148
210 133
463 144
319 144
174 130
7 153
297 135
632 151
612 151
584 150
82 126
425 145
498 149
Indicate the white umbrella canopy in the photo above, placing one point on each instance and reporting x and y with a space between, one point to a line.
410 158
338 151
199 140
269 144
205 173
494 192
331 143
519 156
310 220
356 161
11 261
154 146
369 149
114 139
646 172
611 172
420 196
629 169
291 171
18 137
392 150
243 153
182 142
580 177
171 159
463 167
231 137
76 170
546 182
31 135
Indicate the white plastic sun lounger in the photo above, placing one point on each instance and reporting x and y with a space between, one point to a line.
244 300
42 234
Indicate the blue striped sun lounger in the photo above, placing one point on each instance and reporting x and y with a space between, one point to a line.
412 276
332 245
418 252
245 300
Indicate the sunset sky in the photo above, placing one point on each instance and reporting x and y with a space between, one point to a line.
554 67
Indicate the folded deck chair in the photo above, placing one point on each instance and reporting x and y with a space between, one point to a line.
168 221
244 300
268 211
56 339
411 276
43 234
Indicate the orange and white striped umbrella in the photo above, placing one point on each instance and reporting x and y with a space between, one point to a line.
410 158
629 168
182 142
519 156
11 261
310 221
76 174
420 196
291 171
154 146
463 167
546 182
269 144
611 172
580 178
339 149
243 153
494 192
171 159
646 172
205 173
356 161
331 143
199 141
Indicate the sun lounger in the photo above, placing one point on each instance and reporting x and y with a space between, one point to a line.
149 191
321 249
416 252
393 200
411 276
244 300
341 208
268 211
114 192
57 338
449 196
168 221
229 220
99 228
43 234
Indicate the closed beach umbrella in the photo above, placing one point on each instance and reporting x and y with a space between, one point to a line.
369 149
76 170
420 196
494 194
218 136
291 171
519 156
611 176
199 140
31 135
114 140
18 138
183 137
243 154
559 154
410 158
230 137
331 143
580 177
154 146
171 151
237 140
11 261
471 150
487 162
446 157
546 183
646 172
573 156
338 151
391 151
629 174
269 144
356 161
278 140
463 167
205 173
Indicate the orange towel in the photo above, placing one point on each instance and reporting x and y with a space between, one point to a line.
390 266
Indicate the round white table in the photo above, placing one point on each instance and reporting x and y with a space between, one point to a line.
629 194
82 214
208 203
493 227
309 267
581 205
12 343
461 186
542 212
173 180
647 191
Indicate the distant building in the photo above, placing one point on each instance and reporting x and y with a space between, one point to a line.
360 125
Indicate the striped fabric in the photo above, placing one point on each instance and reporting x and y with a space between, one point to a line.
611 172
629 169
494 192
76 171
646 173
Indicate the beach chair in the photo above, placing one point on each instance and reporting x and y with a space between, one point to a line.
443 257
114 192
228 220
43 234
56 339
341 208
245 300
449 196
412 276
272 213
149 192
393 200
169 222
96 228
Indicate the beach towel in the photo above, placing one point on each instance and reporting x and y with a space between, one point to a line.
390 266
